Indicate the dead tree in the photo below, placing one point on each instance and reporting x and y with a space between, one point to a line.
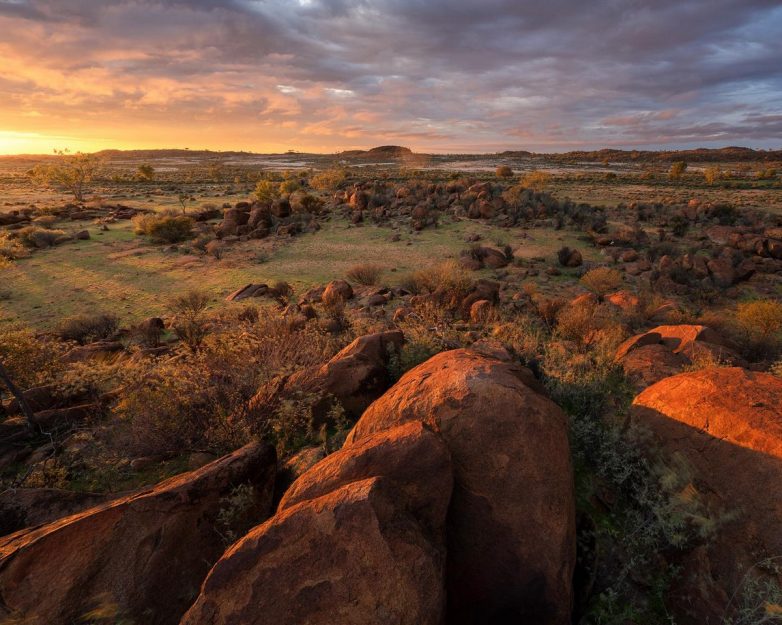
5 378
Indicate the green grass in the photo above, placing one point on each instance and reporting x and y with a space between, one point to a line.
119 272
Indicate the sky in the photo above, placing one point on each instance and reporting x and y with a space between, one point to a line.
432 75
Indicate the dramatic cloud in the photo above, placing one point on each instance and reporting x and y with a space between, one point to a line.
477 75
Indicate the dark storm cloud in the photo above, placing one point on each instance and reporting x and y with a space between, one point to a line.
480 73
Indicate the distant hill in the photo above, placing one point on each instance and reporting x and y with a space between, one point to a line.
731 153
383 151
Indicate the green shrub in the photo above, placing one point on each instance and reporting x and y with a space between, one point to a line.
164 227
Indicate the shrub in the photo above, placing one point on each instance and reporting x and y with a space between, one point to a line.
289 186
428 329
239 511
537 180
165 227
447 277
267 190
679 225
190 323
36 237
677 170
602 280
292 425
329 180
367 274
30 361
725 214
88 328
504 171
548 308
587 324
523 335
712 174
145 172
10 249
760 322
47 221
199 398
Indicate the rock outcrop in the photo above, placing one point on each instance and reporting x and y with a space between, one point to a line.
666 350
144 555
511 528
726 423
359 538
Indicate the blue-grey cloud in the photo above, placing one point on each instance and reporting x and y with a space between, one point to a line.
474 74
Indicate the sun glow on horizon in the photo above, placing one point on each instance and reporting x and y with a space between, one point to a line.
13 142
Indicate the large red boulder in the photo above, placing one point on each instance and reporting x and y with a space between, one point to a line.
511 528
726 424
359 538
143 555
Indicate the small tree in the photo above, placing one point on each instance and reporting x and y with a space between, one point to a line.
70 171
677 170
216 170
183 199
712 174
145 172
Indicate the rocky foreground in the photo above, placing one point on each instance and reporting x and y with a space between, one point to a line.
451 501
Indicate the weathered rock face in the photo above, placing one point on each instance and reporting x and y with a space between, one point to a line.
146 553
727 424
355 376
665 350
511 529
346 546
411 456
